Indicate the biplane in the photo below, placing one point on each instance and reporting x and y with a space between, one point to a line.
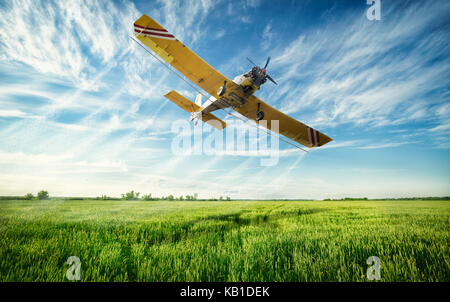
224 93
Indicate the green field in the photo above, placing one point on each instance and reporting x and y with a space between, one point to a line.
224 241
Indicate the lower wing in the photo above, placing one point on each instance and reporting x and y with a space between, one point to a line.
288 126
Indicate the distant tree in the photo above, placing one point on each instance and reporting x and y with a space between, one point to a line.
28 196
195 196
228 198
170 197
220 198
181 197
147 197
351 199
131 195
43 195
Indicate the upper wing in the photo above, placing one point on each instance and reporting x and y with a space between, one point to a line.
288 126
158 39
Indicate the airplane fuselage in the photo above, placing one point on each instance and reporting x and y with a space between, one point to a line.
232 95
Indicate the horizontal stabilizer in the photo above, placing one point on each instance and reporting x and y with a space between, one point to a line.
189 106
183 102
213 121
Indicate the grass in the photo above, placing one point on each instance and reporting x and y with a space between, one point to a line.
224 241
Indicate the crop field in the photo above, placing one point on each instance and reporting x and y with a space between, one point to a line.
224 241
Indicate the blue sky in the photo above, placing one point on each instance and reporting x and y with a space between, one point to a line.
82 111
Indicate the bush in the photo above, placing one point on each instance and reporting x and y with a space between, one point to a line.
28 196
131 195
147 197
12 198
43 195
104 197
192 197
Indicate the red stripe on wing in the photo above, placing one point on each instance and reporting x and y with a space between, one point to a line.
311 133
318 138
150 28
153 33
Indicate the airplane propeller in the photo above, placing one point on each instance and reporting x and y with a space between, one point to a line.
267 62
264 69
252 62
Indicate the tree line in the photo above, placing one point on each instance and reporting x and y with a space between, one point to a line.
41 195
132 195
401 198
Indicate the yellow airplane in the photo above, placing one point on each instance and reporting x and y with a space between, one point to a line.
237 94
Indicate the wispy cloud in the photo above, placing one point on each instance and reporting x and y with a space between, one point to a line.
13 113
387 145
334 144
82 109
267 36
361 72
440 128
50 35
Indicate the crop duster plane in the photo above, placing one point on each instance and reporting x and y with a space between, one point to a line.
237 94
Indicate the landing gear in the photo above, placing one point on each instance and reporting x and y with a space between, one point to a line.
259 113
247 89
222 89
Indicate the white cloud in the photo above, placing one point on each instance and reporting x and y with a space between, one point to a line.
245 19
47 36
76 64
334 144
267 36
360 72
219 34
440 128
12 113
386 145
253 3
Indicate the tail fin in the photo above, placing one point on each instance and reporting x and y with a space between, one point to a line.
195 109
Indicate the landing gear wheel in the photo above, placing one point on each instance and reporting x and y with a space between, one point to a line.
222 89
247 89
259 115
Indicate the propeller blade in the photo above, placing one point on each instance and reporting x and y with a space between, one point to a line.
270 78
267 63
252 62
